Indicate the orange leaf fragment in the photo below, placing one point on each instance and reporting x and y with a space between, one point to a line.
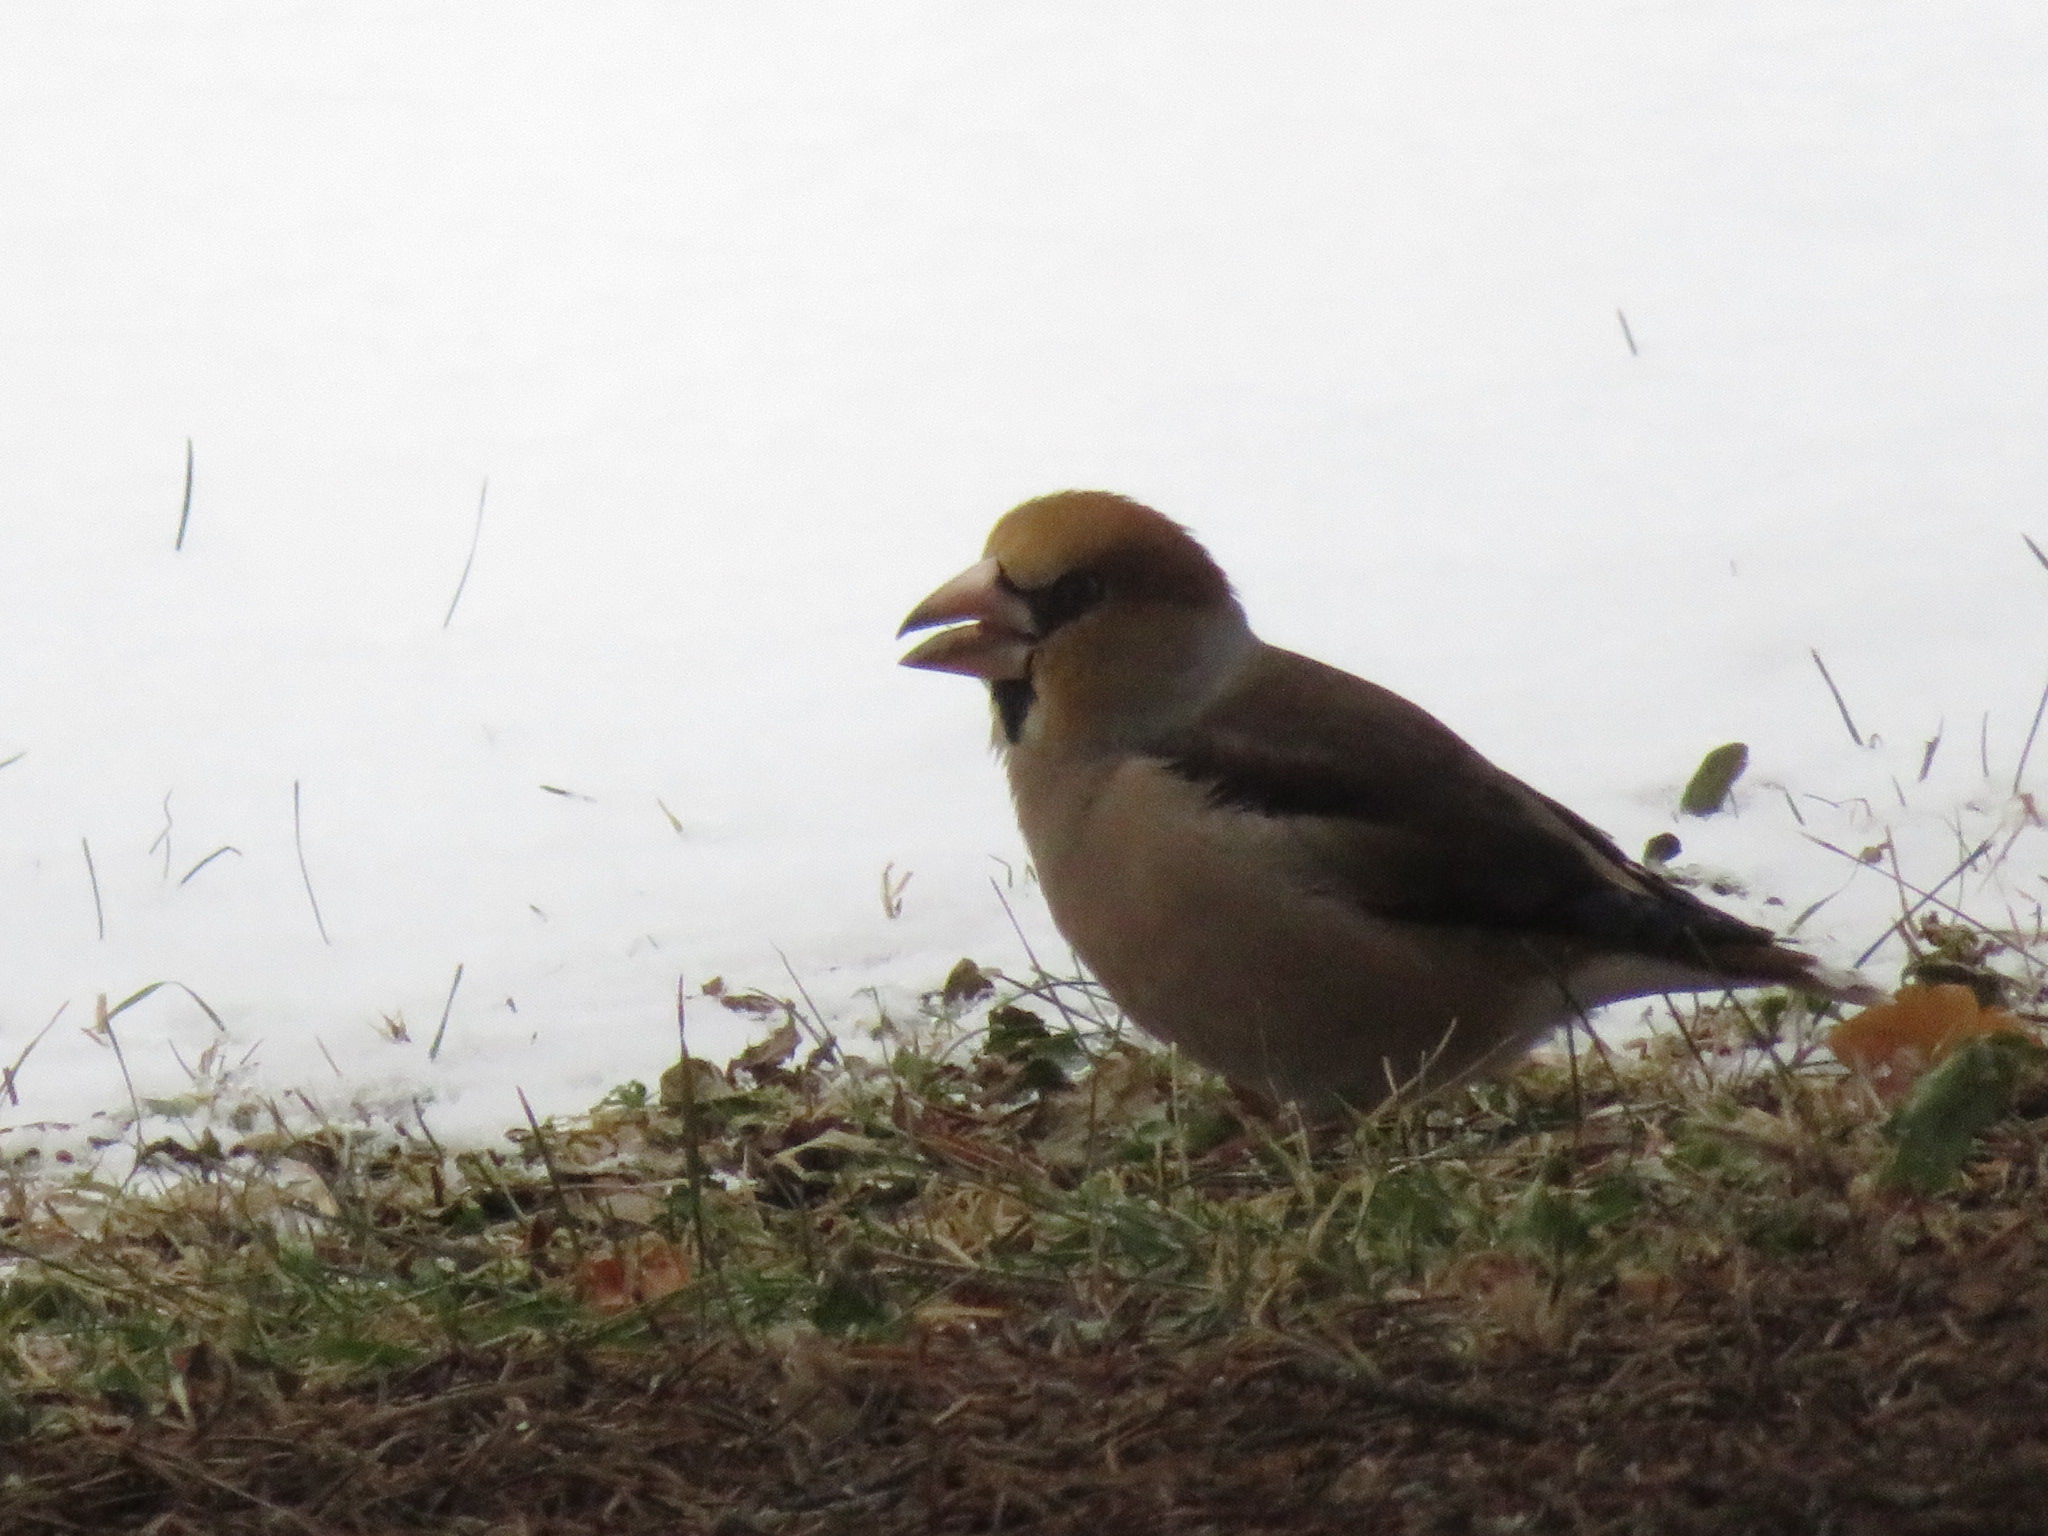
1893 1044
642 1271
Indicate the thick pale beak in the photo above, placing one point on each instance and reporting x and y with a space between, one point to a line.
993 633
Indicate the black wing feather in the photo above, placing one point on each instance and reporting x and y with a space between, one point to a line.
1422 828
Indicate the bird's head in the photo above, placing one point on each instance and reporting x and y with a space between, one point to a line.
1089 616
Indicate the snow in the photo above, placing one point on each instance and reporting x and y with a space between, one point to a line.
754 316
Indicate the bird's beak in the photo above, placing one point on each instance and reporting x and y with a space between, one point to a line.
992 634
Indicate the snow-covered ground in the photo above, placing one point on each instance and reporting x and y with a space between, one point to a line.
755 315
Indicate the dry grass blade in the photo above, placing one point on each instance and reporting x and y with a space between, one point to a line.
185 506
1836 694
2019 771
305 874
476 537
447 1007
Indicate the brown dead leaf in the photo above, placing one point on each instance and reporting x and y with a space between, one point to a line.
640 1271
772 1052
759 1004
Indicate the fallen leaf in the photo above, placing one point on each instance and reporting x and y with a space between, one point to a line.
643 1270
772 1052
1936 1130
1894 1044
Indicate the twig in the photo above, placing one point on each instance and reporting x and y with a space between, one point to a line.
419 1113
475 538
9 1074
157 986
1906 908
1692 1046
1571 1054
1627 335
1927 757
11 761
693 1152
104 1020
823 1034
893 889
2037 552
185 511
99 910
1031 955
163 838
2032 730
1793 927
208 860
434 1050
547 1160
1854 734
1932 895
299 843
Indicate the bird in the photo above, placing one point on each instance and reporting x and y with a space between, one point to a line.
1298 878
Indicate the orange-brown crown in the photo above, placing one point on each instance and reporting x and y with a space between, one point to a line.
1135 552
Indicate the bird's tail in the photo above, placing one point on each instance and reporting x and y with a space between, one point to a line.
1788 967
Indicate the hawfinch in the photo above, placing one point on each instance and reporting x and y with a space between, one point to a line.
1302 880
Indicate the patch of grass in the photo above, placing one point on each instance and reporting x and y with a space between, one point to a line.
1006 1269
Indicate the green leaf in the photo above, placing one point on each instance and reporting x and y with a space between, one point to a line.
1019 1035
1014 1031
1936 1129
1716 775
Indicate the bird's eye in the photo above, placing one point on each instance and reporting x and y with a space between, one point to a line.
1066 599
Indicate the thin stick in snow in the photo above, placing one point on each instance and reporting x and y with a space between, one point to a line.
2037 552
299 843
163 838
434 1050
157 986
828 1041
104 1022
1854 734
1927 755
10 1076
2027 750
565 1218
693 1157
1926 896
99 910
185 511
475 538
1627 335
208 860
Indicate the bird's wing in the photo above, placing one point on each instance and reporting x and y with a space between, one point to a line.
1399 816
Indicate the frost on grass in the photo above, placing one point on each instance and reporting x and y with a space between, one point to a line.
998 1263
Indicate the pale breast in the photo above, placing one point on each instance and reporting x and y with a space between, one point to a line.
1211 932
